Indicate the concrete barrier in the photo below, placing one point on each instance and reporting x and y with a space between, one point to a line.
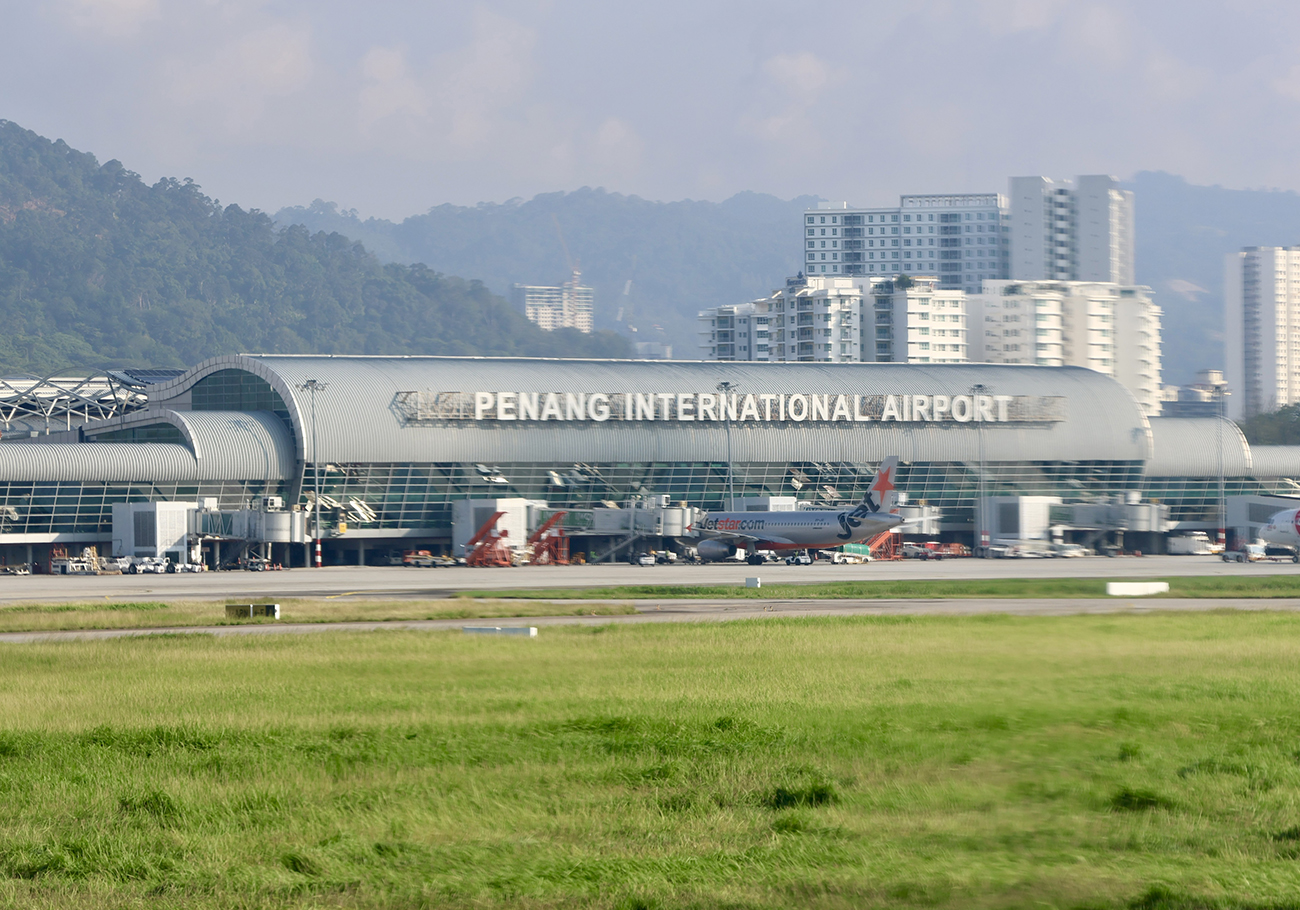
249 611
1136 588
530 631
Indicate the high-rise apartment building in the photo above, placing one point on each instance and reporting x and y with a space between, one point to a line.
1055 230
813 319
915 321
1080 230
1014 322
1105 327
1262 323
569 306
737 331
960 238
834 320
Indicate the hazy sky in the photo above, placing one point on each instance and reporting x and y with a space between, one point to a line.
393 107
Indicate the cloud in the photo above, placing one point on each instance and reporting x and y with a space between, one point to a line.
388 87
235 82
408 105
1099 34
1288 86
804 74
781 113
115 18
478 85
461 101
1170 79
618 148
1011 16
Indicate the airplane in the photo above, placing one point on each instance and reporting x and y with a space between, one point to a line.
727 532
1283 529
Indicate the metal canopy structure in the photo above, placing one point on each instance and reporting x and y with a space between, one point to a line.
69 401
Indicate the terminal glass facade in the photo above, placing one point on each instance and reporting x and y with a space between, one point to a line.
238 390
161 432
421 495
1196 499
414 496
87 507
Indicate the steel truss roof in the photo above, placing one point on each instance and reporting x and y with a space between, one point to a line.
70 400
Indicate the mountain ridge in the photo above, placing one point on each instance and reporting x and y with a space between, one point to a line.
747 245
680 257
100 270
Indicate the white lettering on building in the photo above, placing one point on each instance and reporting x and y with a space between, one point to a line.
707 407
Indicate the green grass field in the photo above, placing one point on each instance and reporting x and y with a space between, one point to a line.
1261 585
607 601
1076 762
156 614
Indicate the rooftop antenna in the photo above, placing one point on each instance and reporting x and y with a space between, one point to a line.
625 309
573 266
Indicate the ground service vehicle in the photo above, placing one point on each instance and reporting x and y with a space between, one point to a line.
921 551
1259 552
148 565
1195 544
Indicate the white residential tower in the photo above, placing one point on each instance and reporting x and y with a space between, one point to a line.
1262 329
1064 230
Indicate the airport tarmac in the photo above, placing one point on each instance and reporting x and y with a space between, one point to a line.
651 611
401 582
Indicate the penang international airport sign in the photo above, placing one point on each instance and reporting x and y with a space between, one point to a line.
427 407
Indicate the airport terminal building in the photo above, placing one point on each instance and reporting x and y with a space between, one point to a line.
395 443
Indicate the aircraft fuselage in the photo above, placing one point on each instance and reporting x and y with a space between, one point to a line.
1283 529
809 529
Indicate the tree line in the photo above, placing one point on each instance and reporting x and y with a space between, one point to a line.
99 270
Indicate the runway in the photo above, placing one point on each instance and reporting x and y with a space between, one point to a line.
400 582
661 611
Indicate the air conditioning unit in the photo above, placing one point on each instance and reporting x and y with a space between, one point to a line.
272 503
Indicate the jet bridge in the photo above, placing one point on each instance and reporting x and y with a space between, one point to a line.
200 532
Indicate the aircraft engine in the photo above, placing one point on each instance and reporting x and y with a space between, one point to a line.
714 550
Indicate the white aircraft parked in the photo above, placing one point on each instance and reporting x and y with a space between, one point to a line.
1283 529
728 532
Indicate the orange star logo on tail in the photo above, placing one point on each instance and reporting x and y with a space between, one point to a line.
883 484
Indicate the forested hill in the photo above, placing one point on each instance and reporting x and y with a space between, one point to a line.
684 256
98 269
680 257
1184 233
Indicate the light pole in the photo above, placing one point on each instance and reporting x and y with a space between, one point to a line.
1221 396
724 387
980 543
314 386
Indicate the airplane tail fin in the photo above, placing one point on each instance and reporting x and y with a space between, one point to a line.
882 495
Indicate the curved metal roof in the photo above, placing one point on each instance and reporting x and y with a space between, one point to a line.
358 420
1275 461
221 445
1189 447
